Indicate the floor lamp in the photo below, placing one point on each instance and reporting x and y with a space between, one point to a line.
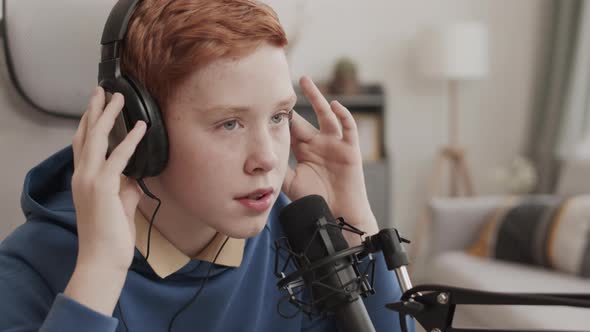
453 53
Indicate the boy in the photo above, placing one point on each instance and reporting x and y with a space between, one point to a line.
88 258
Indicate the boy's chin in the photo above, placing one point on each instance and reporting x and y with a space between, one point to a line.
247 229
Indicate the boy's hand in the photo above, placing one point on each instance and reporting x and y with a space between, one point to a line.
105 200
330 162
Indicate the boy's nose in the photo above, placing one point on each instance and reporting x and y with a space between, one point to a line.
261 158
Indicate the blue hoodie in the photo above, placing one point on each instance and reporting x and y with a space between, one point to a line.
38 258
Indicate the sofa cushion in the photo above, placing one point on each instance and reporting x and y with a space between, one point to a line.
456 268
544 230
460 216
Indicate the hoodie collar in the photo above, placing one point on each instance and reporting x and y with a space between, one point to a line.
165 259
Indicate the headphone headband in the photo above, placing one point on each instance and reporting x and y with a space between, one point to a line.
116 27
151 154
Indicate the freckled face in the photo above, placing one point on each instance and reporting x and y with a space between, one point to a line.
229 136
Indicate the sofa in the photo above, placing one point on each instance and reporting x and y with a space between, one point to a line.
456 223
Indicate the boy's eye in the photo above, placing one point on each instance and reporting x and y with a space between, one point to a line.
230 125
278 118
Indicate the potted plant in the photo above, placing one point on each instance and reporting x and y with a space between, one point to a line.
345 80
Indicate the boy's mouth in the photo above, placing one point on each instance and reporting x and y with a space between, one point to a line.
257 194
259 200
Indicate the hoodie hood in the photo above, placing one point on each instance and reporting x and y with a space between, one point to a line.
47 191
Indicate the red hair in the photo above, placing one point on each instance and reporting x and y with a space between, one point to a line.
168 40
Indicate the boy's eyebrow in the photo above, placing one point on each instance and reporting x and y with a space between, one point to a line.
292 99
231 108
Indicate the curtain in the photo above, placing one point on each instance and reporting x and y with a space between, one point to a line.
561 110
575 130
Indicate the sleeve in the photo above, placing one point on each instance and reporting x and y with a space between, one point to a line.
27 304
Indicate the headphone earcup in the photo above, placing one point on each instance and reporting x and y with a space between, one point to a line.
151 154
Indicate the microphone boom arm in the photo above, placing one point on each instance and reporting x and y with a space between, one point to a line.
433 306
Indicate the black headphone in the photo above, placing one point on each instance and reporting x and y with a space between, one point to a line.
151 155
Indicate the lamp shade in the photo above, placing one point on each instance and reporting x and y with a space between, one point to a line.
457 51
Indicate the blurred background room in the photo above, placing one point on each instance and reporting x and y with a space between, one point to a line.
473 116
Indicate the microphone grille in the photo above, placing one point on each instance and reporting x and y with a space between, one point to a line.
298 220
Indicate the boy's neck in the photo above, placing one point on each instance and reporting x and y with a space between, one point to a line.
184 232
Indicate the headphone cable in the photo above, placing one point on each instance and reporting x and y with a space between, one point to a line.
194 298
145 189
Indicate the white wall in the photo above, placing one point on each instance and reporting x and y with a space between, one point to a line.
379 35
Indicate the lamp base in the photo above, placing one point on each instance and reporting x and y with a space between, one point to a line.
460 185
460 179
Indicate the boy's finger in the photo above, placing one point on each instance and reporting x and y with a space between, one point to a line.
301 130
349 128
78 139
326 118
97 141
95 107
120 156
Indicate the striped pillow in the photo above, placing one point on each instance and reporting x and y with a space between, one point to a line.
543 230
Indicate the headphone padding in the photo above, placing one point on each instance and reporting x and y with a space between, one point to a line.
151 155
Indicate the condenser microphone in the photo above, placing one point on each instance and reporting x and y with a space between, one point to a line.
334 287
